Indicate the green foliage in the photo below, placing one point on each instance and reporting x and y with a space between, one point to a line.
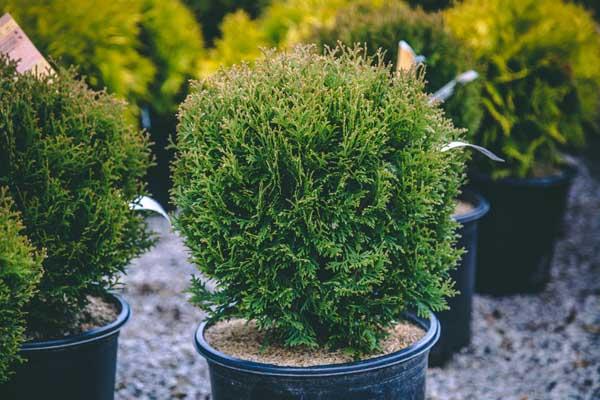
141 50
543 79
72 164
173 41
312 189
383 26
20 270
431 5
210 13
282 24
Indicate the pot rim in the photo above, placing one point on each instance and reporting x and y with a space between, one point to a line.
566 175
91 335
480 207
423 345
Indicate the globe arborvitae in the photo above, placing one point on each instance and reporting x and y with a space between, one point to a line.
313 191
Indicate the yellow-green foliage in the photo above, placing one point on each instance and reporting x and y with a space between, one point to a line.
282 24
141 50
543 78
383 25
312 189
20 271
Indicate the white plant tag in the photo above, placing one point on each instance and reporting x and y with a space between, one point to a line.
482 150
149 204
407 58
448 89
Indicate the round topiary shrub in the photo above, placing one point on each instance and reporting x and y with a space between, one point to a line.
20 271
542 83
72 164
384 25
313 191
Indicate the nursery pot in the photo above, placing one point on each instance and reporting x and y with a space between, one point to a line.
399 375
456 321
78 367
516 238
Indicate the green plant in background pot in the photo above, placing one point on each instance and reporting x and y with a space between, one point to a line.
72 165
541 94
384 25
313 191
282 24
20 271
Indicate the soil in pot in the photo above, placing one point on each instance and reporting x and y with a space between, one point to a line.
241 339
397 375
456 321
74 367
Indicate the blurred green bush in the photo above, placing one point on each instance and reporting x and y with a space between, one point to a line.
542 82
382 26
141 50
20 271
282 24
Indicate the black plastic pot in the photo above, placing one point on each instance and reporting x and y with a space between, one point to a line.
79 367
456 322
400 375
516 238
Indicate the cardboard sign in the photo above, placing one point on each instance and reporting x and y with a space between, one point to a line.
15 43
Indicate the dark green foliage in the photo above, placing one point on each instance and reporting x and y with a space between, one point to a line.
542 83
210 13
431 5
312 189
20 271
72 164
384 26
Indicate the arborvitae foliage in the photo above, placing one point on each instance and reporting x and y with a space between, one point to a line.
72 165
312 189
543 79
20 270
383 26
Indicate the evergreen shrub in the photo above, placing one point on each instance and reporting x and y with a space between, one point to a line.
542 85
72 165
20 270
384 25
313 191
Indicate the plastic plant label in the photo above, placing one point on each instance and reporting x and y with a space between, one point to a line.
482 150
15 43
448 89
145 203
407 57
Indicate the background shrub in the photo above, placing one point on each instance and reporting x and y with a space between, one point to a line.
282 24
210 13
543 79
383 26
141 50
72 164
312 189
20 270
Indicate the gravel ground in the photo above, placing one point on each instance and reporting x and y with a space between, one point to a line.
544 346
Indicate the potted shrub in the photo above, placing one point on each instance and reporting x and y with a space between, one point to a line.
313 193
381 26
72 165
540 96
20 271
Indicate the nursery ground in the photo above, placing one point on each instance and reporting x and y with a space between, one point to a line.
544 346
